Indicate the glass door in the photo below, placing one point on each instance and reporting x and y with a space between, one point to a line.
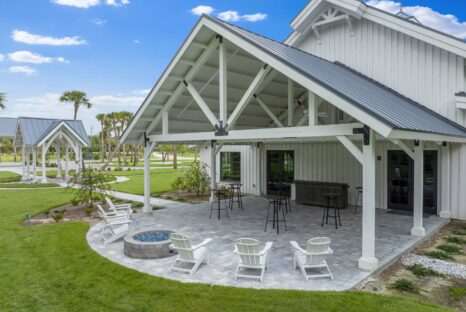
280 170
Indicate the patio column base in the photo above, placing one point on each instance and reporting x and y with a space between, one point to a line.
445 214
369 264
418 231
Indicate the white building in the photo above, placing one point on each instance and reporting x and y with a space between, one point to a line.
355 95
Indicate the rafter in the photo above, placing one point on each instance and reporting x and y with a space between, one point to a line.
268 111
202 104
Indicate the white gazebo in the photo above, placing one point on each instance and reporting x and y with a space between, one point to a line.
36 135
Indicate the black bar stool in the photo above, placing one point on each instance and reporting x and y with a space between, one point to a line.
285 191
218 194
235 195
334 197
359 190
277 202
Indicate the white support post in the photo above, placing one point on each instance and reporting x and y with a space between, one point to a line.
418 229
28 163
258 169
34 165
290 103
368 261
213 171
58 150
44 153
23 162
223 85
312 108
66 162
268 111
165 122
147 154
446 167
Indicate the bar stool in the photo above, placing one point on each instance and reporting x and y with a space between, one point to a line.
218 193
359 190
336 209
277 202
235 195
284 191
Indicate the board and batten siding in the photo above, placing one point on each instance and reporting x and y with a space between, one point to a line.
418 70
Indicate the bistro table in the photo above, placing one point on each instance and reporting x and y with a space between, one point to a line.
278 202
218 194
235 195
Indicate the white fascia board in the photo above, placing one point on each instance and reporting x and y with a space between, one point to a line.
162 80
57 128
424 136
303 80
257 135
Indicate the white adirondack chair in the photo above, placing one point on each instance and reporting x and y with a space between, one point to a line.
251 257
115 226
120 207
189 254
314 257
121 215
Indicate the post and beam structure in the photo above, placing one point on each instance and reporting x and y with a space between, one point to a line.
418 202
223 82
291 100
148 149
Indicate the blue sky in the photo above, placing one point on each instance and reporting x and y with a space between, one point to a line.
115 49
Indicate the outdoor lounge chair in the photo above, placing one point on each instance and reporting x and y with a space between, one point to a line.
119 208
251 257
115 226
314 257
189 257
112 214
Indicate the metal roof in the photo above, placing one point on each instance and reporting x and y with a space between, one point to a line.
34 130
7 127
386 105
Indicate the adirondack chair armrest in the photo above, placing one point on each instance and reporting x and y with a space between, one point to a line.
330 251
297 248
118 222
122 206
267 248
204 243
116 213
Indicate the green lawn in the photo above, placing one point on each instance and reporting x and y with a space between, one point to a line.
6 177
161 181
51 268
22 185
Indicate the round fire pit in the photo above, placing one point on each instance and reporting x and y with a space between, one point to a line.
148 244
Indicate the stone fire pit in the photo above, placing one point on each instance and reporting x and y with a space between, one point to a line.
148 244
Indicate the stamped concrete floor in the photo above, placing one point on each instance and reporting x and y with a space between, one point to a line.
392 238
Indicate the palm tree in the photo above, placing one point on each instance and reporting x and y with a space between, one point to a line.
2 101
78 98
101 119
125 118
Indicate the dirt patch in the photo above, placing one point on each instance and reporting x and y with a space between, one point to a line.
441 290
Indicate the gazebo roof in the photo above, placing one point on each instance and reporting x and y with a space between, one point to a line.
7 127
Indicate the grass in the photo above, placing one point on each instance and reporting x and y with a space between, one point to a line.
438 254
51 268
160 181
450 249
404 285
457 292
8 177
459 232
22 185
422 271
456 240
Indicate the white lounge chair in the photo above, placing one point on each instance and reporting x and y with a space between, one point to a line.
115 229
112 214
189 254
120 207
314 257
251 257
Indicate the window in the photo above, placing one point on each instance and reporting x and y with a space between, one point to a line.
280 169
230 166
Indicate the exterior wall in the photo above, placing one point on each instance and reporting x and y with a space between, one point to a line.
420 71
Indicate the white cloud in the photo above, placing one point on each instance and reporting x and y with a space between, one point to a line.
98 21
25 37
136 41
234 16
116 100
144 92
117 3
202 9
29 71
82 4
447 23
34 58
1 57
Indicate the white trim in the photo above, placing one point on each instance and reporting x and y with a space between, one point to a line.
268 111
404 147
352 148
424 136
202 104
57 128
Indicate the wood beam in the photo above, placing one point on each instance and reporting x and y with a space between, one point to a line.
202 104
223 84
165 122
291 100
268 111
312 108
352 148
404 147
418 200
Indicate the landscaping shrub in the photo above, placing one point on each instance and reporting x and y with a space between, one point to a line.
459 232
58 216
421 271
457 291
88 211
86 185
404 285
450 249
456 240
438 254
193 179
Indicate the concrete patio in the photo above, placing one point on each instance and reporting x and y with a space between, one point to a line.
392 238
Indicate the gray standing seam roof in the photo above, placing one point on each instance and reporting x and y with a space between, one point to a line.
7 127
384 104
35 130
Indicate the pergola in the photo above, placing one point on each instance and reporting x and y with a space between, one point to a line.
227 85
36 135
7 129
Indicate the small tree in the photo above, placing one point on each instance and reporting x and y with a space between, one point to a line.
193 179
89 186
